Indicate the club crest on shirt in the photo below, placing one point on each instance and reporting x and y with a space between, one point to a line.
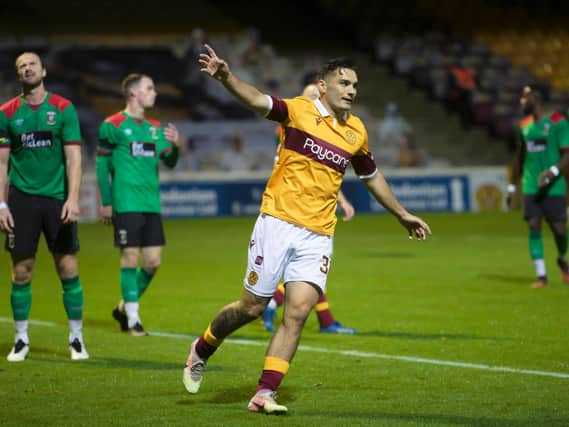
152 130
128 131
19 122
351 137
546 129
50 118
252 278
259 260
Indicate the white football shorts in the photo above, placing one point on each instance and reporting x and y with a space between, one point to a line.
279 249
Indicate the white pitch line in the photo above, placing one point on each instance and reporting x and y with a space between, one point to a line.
32 322
356 353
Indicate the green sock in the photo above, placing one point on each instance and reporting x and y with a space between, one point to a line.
129 288
72 297
561 243
143 279
21 299
535 245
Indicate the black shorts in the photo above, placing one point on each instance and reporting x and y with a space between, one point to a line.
34 215
553 208
138 230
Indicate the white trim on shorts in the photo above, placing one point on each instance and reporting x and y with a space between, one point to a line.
281 250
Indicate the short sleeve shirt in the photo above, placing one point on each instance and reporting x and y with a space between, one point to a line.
314 152
35 136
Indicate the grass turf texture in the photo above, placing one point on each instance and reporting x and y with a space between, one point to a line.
461 296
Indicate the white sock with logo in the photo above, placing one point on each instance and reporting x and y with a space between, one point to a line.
22 331
539 265
131 309
75 329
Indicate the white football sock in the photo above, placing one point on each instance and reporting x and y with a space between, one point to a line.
131 309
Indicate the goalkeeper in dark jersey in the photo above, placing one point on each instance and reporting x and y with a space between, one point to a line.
130 148
41 141
541 157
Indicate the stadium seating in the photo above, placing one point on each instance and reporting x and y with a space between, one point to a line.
500 72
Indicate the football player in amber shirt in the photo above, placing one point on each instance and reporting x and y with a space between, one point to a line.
327 321
292 237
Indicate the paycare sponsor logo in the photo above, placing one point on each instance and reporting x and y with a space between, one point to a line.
325 154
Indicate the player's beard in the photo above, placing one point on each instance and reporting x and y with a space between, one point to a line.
31 83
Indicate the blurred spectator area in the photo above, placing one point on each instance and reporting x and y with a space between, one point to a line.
506 43
505 46
501 64
89 68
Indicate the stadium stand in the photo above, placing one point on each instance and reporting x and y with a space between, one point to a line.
509 44
462 57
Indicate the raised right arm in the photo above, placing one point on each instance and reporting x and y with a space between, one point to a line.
246 93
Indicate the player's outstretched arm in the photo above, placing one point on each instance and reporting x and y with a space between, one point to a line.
379 188
246 93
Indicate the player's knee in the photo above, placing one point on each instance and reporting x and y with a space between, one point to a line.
151 264
68 273
129 258
256 311
22 272
558 228
67 268
253 310
21 277
534 224
297 313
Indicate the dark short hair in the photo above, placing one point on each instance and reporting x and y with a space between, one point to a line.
131 80
334 64
29 52
535 92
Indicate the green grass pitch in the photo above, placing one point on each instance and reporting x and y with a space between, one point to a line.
433 318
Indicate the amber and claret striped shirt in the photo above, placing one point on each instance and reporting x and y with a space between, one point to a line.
314 151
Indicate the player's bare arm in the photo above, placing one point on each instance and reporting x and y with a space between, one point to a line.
70 211
246 93
6 219
549 175
106 214
172 135
379 188
517 163
346 206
